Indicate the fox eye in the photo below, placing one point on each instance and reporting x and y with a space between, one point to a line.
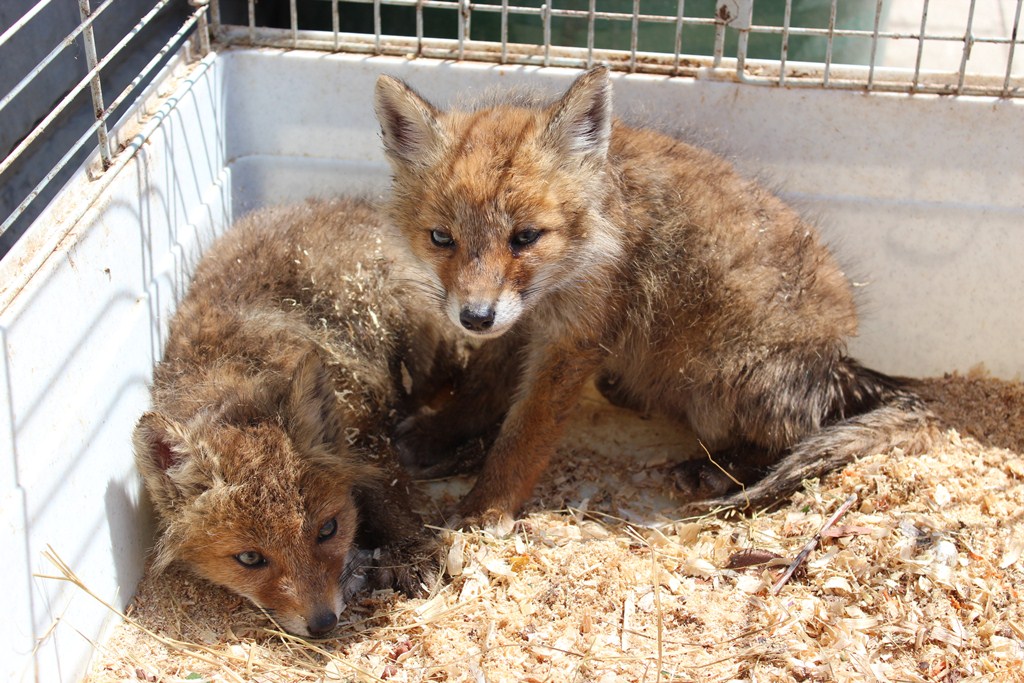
441 238
525 238
251 559
327 531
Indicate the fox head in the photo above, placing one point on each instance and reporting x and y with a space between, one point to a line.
505 204
262 505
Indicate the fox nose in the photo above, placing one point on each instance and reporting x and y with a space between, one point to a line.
478 318
321 623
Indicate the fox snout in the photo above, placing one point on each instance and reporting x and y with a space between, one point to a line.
485 317
477 317
321 622
305 603
322 617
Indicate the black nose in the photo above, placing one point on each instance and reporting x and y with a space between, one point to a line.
477 319
321 623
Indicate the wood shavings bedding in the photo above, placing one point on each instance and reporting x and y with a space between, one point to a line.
918 581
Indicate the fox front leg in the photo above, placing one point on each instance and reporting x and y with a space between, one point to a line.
553 380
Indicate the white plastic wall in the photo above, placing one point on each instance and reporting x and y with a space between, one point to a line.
80 329
921 196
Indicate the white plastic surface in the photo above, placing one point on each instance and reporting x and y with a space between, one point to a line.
921 196
81 329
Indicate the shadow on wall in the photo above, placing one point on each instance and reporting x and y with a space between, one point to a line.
132 525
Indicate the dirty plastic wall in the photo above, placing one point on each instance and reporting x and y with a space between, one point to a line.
920 196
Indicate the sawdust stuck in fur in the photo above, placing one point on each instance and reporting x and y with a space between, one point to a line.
919 581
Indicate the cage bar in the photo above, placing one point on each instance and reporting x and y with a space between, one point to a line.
828 47
293 10
95 87
504 30
23 21
48 59
45 123
968 45
377 27
784 49
1013 44
546 15
634 35
252 20
335 23
874 44
920 45
678 44
202 26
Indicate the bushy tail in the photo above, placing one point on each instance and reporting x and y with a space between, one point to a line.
878 414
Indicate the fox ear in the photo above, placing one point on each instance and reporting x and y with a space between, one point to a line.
311 410
582 120
160 443
408 123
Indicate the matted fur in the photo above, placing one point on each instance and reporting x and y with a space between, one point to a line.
687 288
282 376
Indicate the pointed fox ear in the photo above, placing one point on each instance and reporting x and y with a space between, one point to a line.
581 122
160 444
408 123
159 441
311 408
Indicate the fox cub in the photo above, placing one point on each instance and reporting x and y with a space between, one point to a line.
265 452
627 255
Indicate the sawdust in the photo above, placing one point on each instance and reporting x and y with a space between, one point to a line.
917 582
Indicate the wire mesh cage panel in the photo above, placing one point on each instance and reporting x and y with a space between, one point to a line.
910 46
71 71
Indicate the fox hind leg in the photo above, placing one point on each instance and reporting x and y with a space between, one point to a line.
612 387
807 414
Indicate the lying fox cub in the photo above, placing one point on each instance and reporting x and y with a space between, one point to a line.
264 453
628 255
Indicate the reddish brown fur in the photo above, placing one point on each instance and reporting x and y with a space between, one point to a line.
689 289
281 377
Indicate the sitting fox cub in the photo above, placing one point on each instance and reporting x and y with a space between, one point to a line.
265 452
631 256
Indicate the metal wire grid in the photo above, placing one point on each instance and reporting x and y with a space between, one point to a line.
731 17
103 108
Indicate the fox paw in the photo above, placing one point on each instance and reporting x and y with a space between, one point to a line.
493 522
730 482
699 479
411 568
